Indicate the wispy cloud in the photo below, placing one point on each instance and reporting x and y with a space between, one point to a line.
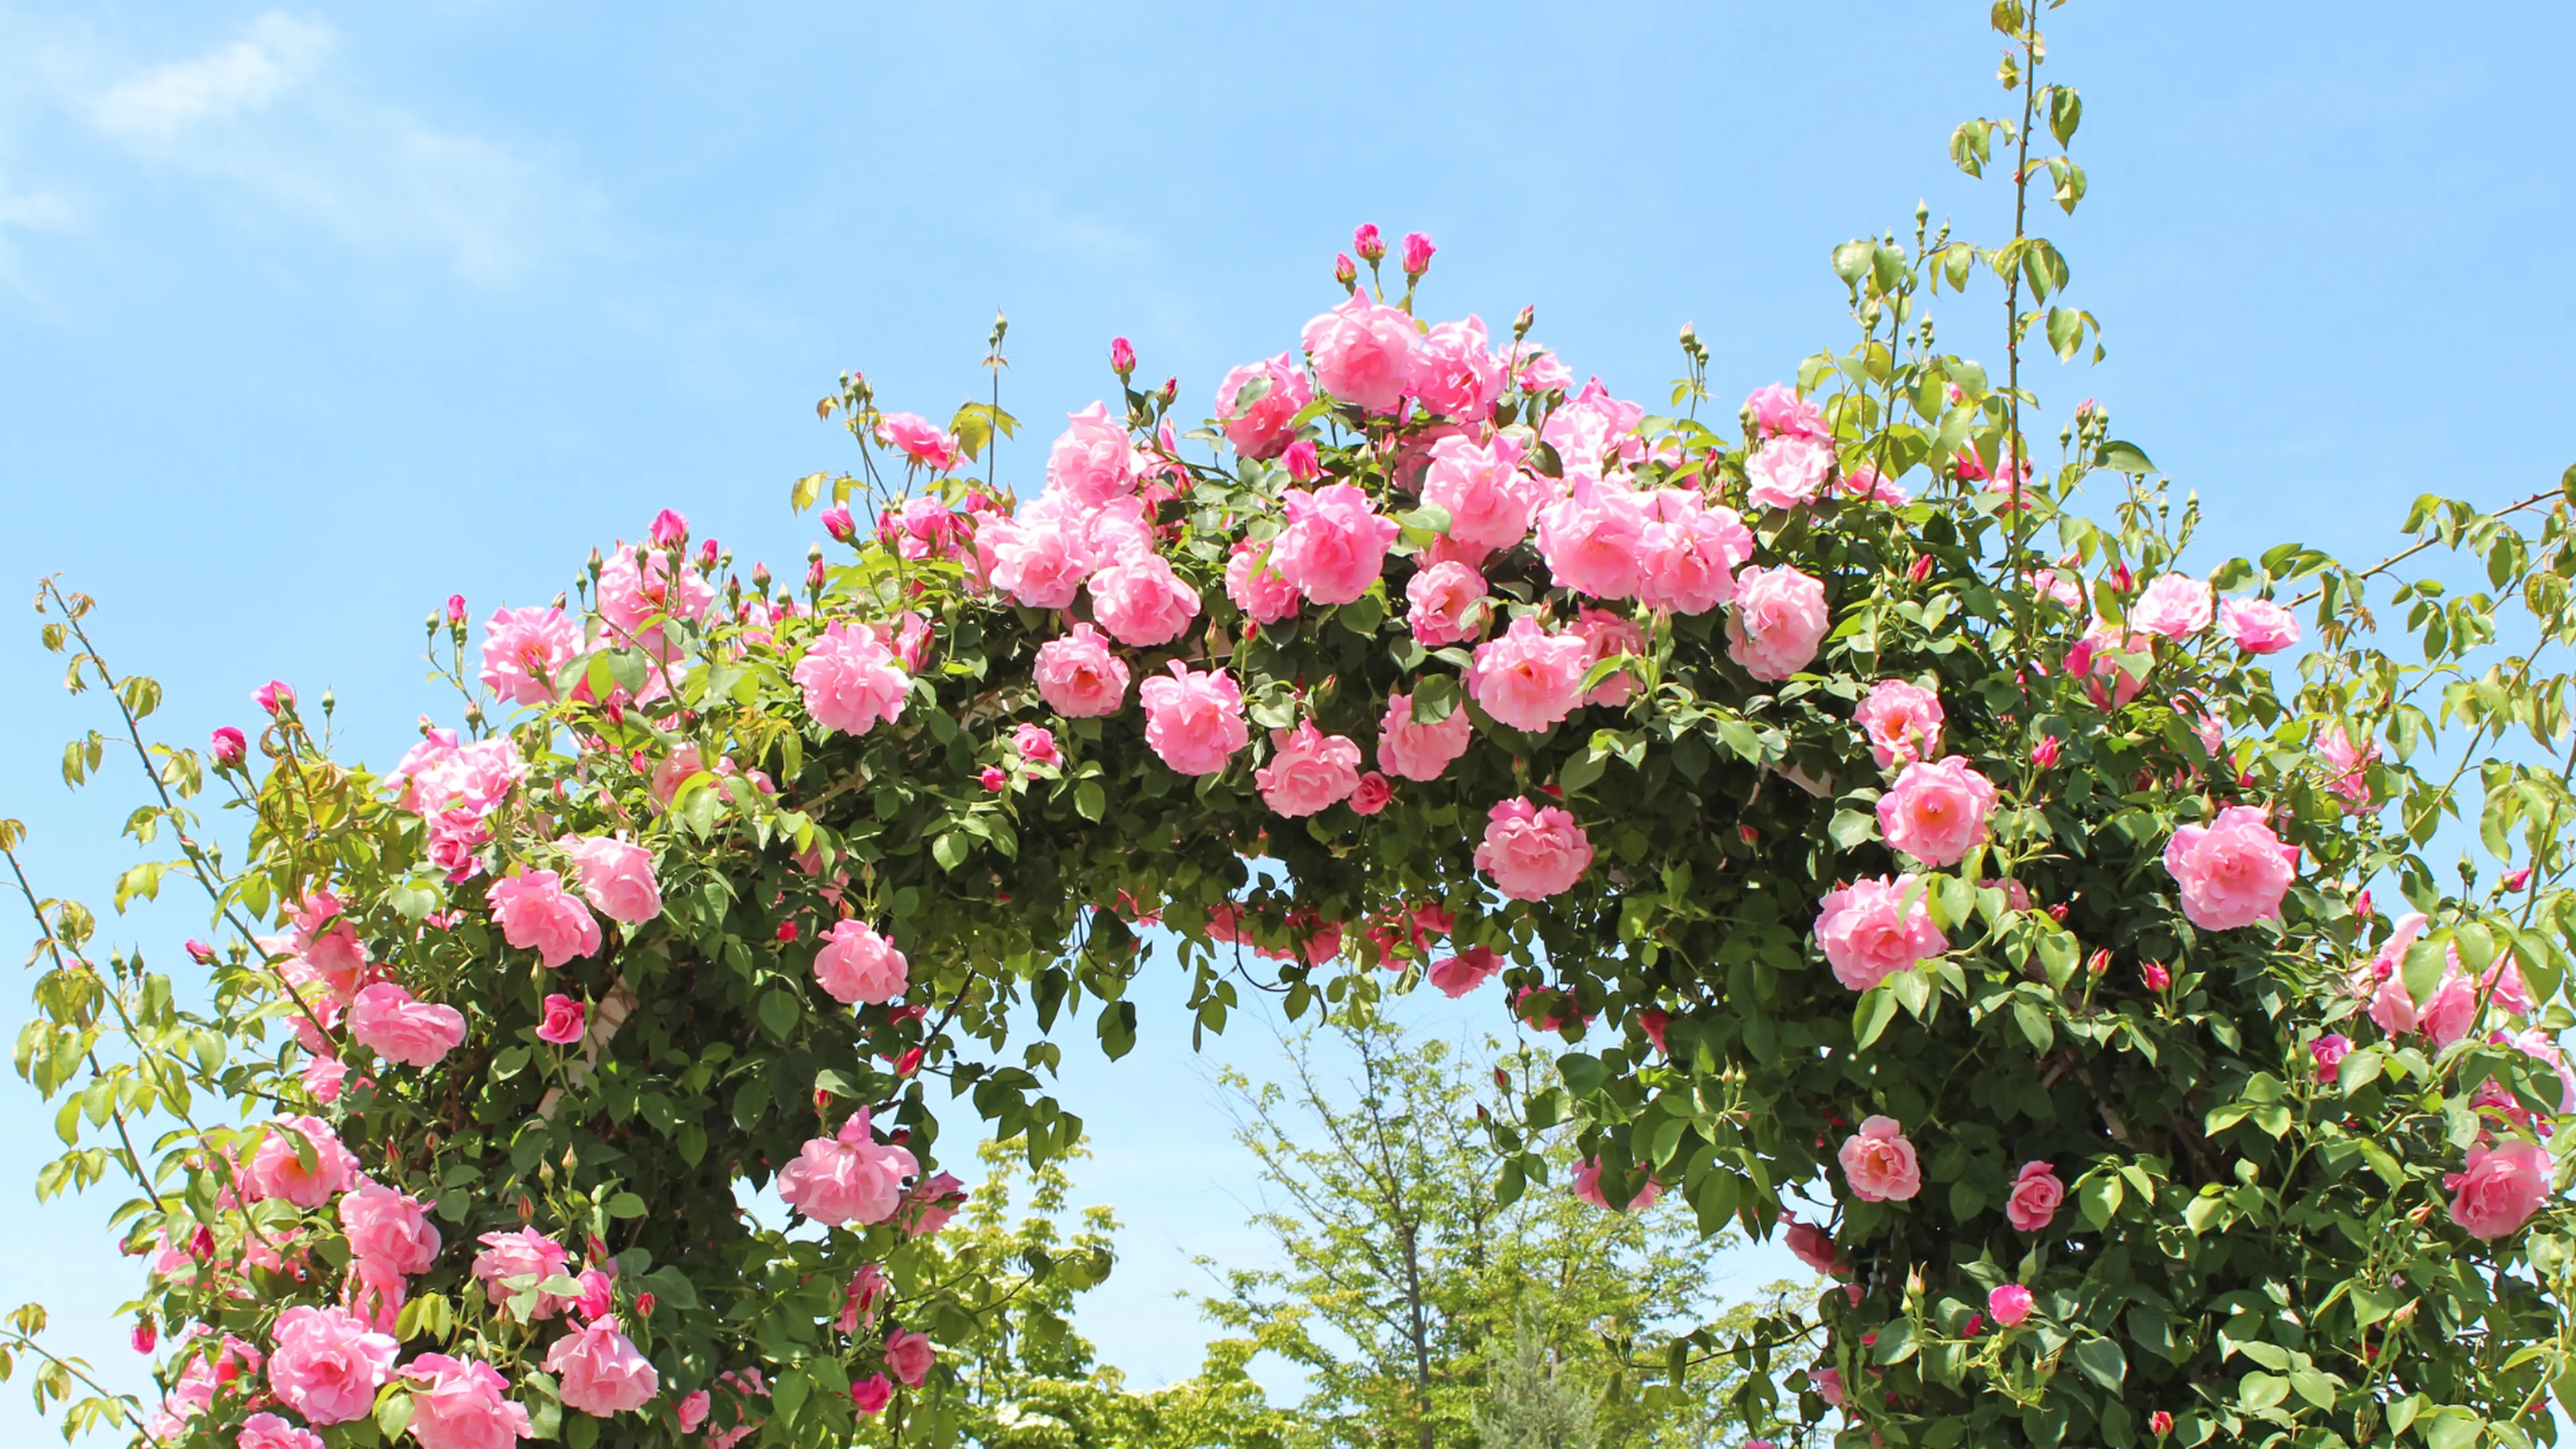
160 103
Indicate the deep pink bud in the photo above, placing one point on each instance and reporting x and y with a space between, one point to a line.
908 1063
2044 754
1922 568
814 574
2361 905
669 528
2516 880
1365 241
2100 963
229 747
1122 357
144 1335
456 608
274 696
201 953
643 1305
993 777
1302 462
1417 253
2160 1423
2156 977
1345 271
1171 390
2122 580
707 552
838 523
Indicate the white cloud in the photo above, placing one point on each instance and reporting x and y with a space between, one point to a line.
160 102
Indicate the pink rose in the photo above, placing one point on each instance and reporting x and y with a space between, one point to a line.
2174 607
328 1364
438 774
563 1020
1829 1386
536 911
1788 471
930 1203
1594 539
1689 552
2348 775
1365 353
323 1076
2330 1052
1937 812
461 1404
1372 794
1037 557
856 964
2010 1304
1259 427
920 440
1606 635
1410 750
229 747
1593 430
1489 500
1528 679
2032 1203
1531 853
524 649
1448 604
848 1178
1141 602
1879 1163
1194 721
1867 484
512 1263
1308 770
639 590
870 1395
1255 587
1779 411
693 1410
600 1371
267 1431
1078 677
2097 655
387 1226
1779 620
1335 543
400 1029
910 1356
1814 1247
1902 722
1872 929
1036 744
2258 626
1587 1188
616 876
277 1170
851 679
1455 374
1457 975
2233 872
1091 458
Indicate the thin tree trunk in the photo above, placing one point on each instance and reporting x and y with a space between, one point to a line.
1421 1340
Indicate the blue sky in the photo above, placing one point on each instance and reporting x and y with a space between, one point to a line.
315 316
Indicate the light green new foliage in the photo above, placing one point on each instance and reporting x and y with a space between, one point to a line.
1529 1403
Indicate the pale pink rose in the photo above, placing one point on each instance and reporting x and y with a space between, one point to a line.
600 1370
2536 1044
2052 585
1308 770
1194 721
1872 929
1779 620
1587 1188
1787 471
536 911
1879 1163
2173 607
1457 975
323 1077
1489 500
1036 744
1593 431
640 590
2096 655
1141 602
1037 557
1531 853
1829 1386
1936 812
524 649
929 1204
438 774
2010 1304
920 439
1413 751
2032 1202
2382 984
1365 353
850 679
328 1364
1455 374
1528 678
1594 539
2500 1189
1335 543
856 964
2258 626
267 1431
511 1263
2348 764
461 1404
1814 1247
848 1178
399 1028
385 1225
870 1395
1373 794
1092 458
693 1410
1778 411
1255 587
2233 871
2454 1007
1078 677
1867 484
1448 604
562 1022
1690 552
1902 722
1261 427
1537 369
910 1356
616 876
277 1169
1606 636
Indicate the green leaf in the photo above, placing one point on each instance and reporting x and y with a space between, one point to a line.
2100 1198
2452 1428
779 1011
2100 1360
950 850
1876 1008
1851 829
2258 1391
393 1415
625 1205
2122 457
1090 801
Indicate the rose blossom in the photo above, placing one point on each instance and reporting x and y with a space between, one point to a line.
639 589
616 876
1308 770
693 1410
2010 1304
1532 853
2097 655
848 1178
1779 620
328 1364
1455 372
1689 552
910 1355
1606 635
1814 1247
1594 539
526 1255
1372 794
1194 721
523 651
1036 744
267 1431
1829 1386
562 1022
1335 543
1587 1188
536 911
1090 459
600 1370
1787 471
1078 677
1779 411
2500 1189
1411 750
398 1028
1528 678
1365 353
2349 773
856 964
1457 975
2330 1052
277 1169
1261 428
1255 587
2258 626
920 440
1902 722
1872 929
2174 607
870 1395
1880 1163
1593 430
850 679
1937 812
1489 500
462 1404
2031 1204
387 1226
2233 871
1448 604
1142 602
930 1203
229 748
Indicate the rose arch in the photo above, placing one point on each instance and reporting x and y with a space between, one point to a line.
1866 821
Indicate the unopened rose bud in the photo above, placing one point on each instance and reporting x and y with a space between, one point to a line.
838 523
993 778
1748 834
2361 905
330 701
1345 272
145 1335
1417 255
201 953
2516 880
2100 962
2058 913
1921 568
708 556
1171 391
2044 754
596 563
1689 337
643 1305
275 697
2160 1423
814 575
562 601
787 931
670 529
1365 241
2122 580
908 1063
1522 321
2156 977
229 747
456 608
1122 357
1302 461
2405 1313
760 579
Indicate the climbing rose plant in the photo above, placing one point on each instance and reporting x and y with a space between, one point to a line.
1970 890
